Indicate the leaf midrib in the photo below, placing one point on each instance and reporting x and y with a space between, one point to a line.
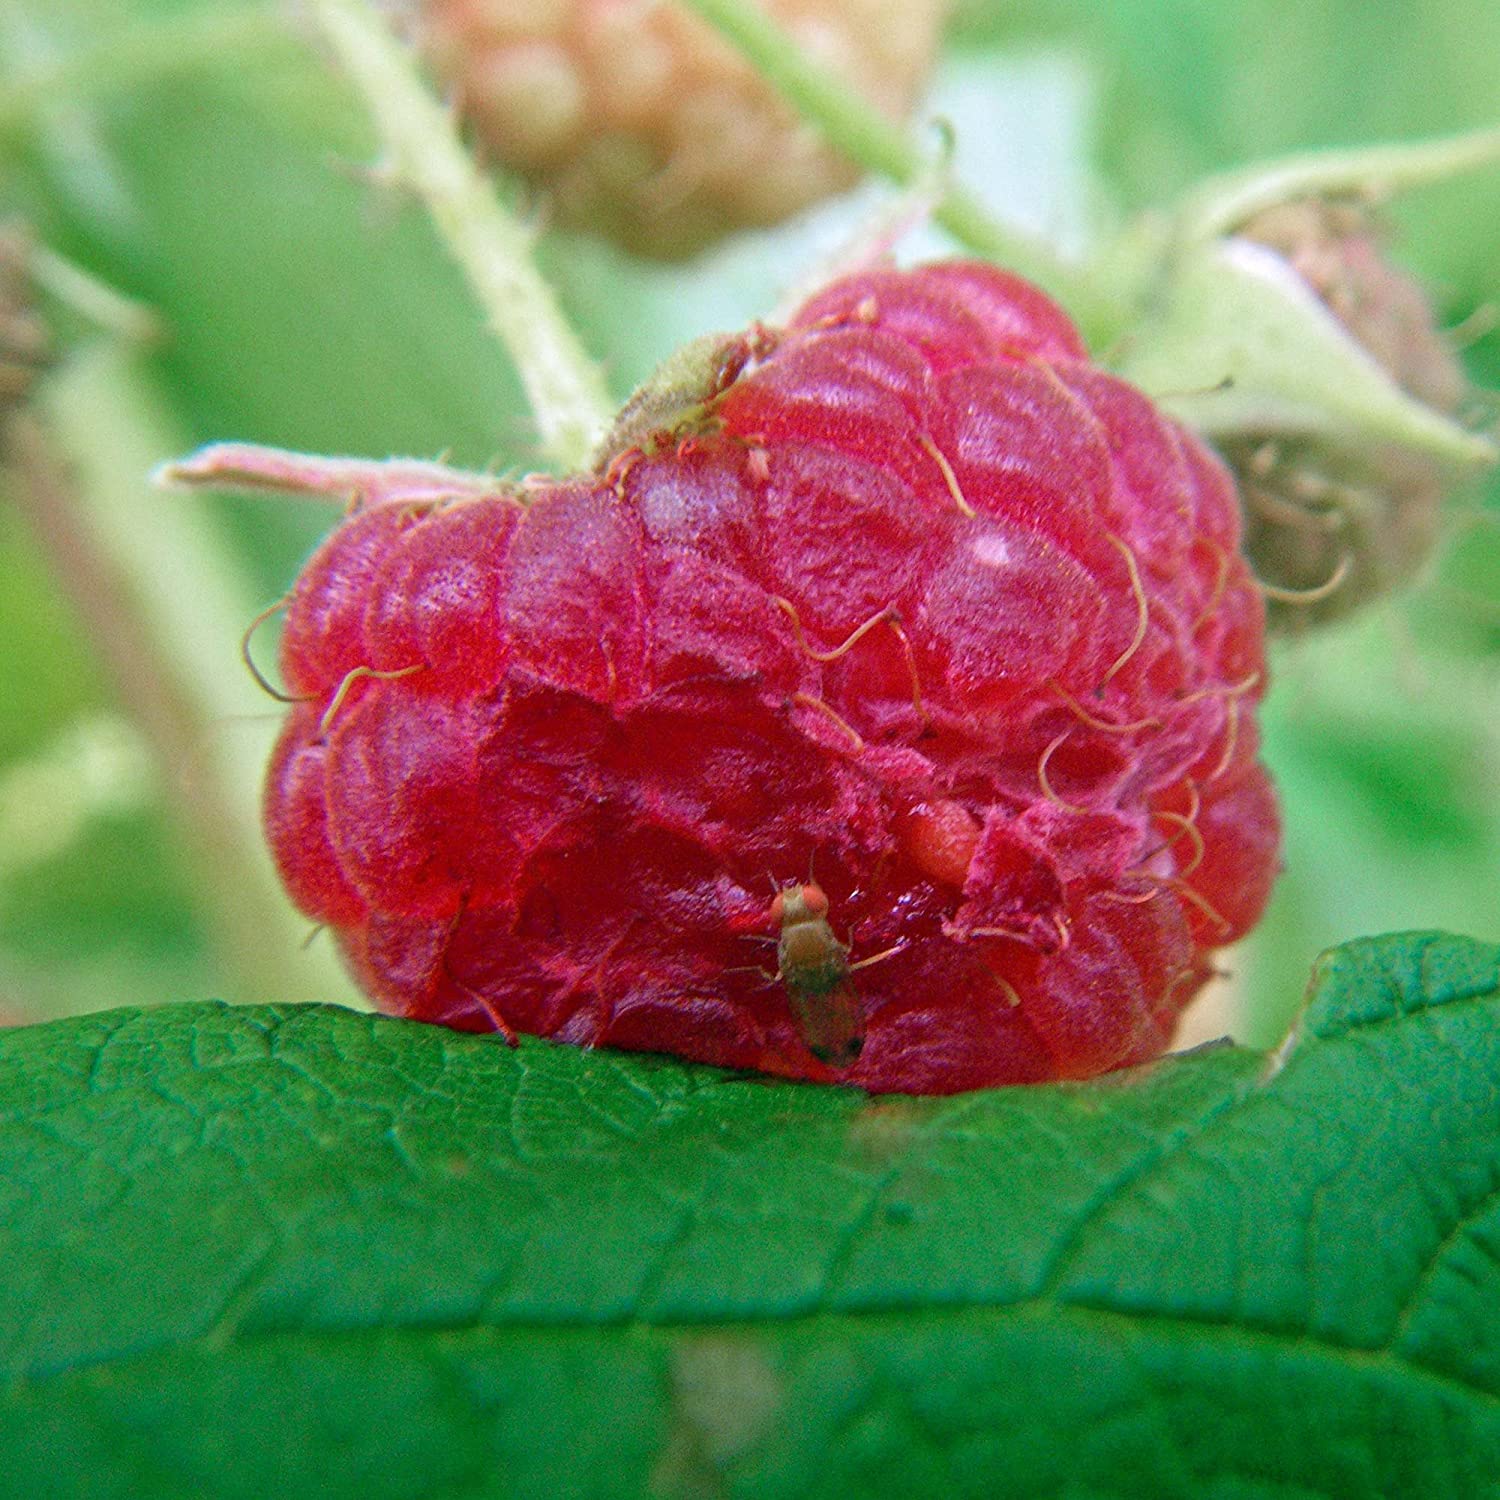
1199 1330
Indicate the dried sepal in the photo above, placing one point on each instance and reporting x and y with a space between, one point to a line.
1283 330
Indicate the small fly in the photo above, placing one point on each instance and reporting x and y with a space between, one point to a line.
814 967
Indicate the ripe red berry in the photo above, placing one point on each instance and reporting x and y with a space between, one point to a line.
919 599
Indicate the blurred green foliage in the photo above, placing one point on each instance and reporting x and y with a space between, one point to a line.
308 306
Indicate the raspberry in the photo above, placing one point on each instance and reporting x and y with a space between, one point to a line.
910 639
640 123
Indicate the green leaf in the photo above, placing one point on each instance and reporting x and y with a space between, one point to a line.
301 1250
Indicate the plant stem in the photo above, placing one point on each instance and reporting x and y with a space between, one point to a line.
856 128
1220 204
138 54
166 604
565 388
91 298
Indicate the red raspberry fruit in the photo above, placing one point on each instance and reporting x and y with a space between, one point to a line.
640 123
909 596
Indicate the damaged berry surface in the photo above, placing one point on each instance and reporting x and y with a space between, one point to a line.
910 627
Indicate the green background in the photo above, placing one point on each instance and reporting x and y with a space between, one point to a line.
309 307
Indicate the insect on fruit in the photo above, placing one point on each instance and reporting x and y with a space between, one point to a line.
814 966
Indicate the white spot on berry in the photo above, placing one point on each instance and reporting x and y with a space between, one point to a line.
990 548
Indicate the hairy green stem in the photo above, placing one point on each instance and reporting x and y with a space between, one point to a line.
856 128
564 386
1219 205
167 604
92 298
